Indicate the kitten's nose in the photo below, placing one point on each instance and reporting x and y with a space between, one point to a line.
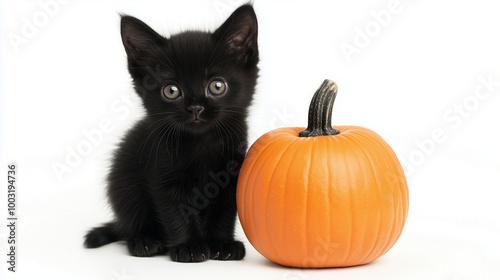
196 109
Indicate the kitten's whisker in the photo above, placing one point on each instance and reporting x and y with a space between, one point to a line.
221 133
223 127
157 124
142 146
160 141
172 135
153 145
236 123
234 127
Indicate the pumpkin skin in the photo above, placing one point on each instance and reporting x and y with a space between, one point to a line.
324 201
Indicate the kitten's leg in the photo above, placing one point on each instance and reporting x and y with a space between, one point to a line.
146 238
135 220
220 229
182 226
145 241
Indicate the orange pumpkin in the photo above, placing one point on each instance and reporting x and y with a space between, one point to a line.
322 197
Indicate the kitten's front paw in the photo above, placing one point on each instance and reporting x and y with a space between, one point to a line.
234 251
189 253
145 247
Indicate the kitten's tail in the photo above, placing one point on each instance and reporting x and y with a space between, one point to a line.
100 236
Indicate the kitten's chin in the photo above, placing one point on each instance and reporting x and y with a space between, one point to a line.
197 122
197 126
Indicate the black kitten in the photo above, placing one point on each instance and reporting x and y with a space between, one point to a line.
172 184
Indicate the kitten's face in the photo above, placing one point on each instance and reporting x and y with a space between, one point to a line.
195 80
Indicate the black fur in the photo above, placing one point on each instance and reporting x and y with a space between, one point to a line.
172 183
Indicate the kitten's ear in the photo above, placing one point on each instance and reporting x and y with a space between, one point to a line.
138 38
239 34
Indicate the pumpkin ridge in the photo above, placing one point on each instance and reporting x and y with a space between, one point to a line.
254 189
332 208
399 221
329 203
363 152
273 148
290 255
404 198
278 162
403 195
254 154
343 161
394 227
391 240
306 191
245 177
347 250
372 162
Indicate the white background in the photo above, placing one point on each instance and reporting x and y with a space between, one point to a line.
408 81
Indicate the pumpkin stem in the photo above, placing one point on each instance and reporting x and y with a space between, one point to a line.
320 111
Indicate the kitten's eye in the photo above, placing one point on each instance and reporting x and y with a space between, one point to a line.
217 87
170 92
